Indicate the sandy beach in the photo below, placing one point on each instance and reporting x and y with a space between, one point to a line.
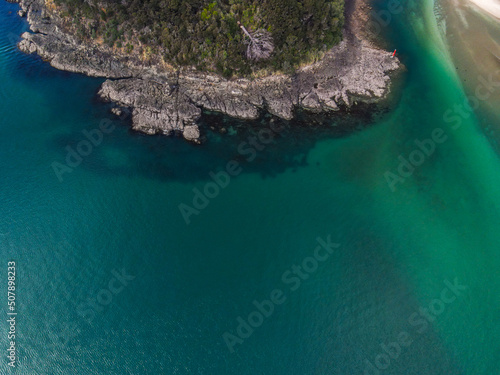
490 6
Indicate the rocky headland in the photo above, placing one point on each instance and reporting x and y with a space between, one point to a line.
165 100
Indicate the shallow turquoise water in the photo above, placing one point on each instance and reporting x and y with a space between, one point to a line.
119 209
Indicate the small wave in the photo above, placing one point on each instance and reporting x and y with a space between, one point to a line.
6 49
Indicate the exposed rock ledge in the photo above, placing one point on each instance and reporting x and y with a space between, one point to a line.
165 101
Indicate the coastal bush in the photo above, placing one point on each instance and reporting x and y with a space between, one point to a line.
206 35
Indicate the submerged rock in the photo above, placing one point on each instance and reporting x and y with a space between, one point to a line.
117 111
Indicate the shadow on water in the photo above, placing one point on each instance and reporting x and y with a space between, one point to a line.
129 153
125 152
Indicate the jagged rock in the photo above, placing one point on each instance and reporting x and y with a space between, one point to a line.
154 110
117 111
191 133
66 54
164 101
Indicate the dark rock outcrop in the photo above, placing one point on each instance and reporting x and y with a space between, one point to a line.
166 101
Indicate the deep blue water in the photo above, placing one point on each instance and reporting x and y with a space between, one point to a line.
118 212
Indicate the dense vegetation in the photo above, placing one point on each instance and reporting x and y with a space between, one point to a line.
205 34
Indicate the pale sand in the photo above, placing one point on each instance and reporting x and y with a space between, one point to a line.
490 6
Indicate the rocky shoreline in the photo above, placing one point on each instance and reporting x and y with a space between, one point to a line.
167 101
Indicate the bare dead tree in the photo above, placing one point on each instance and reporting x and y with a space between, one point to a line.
260 44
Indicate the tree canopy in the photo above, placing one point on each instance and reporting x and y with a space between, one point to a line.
206 34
